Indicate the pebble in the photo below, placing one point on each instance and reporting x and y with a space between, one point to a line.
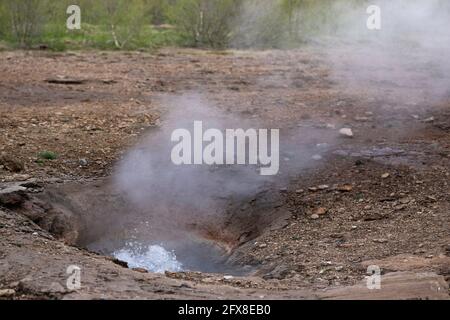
385 175
315 216
346 132
317 157
83 162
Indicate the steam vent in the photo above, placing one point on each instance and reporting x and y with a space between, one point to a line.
224 150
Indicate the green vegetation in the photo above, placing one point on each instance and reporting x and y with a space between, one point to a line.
148 24
48 155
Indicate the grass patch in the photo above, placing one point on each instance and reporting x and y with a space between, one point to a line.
48 155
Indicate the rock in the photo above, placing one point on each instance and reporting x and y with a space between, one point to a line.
321 211
315 216
6 293
379 240
345 188
385 175
280 272
83 162
228 277
400 207
262 245
317 157
12 196
323 187
346 132
430 119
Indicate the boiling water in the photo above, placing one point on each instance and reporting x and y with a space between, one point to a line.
153 258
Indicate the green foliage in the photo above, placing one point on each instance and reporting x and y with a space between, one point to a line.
22 20
147 24
205 22
48 155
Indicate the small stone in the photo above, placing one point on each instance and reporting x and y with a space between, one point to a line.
430 119
6 293
317 157
405 200
83 162
346 132
400 207
141 270
323 187
385 175
263 245
315 216
299 191
228 277
321 211
345 188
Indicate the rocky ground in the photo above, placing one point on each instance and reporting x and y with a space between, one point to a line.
375 195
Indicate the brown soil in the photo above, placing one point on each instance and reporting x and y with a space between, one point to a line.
381 197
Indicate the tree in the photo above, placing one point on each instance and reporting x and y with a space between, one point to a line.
205 22
124 18
26 20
